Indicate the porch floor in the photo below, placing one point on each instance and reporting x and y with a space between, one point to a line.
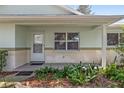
29 67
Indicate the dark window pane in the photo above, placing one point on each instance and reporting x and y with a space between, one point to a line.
37 48
72 45
73 36
121 37
60 46
60 36
112 38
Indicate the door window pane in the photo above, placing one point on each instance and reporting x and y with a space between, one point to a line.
112 38
38 39
60 45
37 48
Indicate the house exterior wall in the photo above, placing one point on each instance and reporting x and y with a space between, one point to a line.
89 38
17 39
33 9
90 44
13 38
20 31
7 41
7 35
21 50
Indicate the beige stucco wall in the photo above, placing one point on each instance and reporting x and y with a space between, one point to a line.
10 65
33 9
21 57
83 55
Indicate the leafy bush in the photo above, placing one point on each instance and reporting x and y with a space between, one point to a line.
76 74
3 54
115 73
91 72
42 73
111 71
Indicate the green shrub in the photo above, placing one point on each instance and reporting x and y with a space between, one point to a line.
114 73
111 71
3 54
91 73
76 74
42 73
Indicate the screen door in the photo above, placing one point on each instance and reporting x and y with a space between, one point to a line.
37 50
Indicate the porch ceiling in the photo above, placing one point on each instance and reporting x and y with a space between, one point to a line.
93 20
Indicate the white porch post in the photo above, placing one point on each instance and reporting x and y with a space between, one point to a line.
104 45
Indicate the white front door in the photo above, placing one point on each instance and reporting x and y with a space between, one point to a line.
37 49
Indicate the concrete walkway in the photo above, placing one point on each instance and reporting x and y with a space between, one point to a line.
14 78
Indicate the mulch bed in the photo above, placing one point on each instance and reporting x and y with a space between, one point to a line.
33 82
4 73
99 82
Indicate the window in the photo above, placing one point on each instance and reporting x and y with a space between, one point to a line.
112 39
115 38
67 41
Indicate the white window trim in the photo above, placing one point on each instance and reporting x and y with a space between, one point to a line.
66 42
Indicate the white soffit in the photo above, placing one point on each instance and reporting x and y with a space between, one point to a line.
83 20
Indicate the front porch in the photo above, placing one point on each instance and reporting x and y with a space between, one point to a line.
90 44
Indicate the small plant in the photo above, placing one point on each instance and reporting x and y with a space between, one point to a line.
91 72
42 73
111 71
3 54
115 73
78 74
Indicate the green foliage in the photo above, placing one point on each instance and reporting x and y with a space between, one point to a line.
111 71
76 74
3 54
91 73
42 73
115 73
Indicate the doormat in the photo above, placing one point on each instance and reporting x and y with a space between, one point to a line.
24 73
36 63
